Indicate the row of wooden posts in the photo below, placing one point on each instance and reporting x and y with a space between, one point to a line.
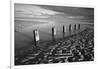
36 32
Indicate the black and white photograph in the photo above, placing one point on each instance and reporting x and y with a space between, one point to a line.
49 34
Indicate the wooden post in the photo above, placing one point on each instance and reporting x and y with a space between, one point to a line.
69 27
74 27
64 31
53 33
36 37
79 26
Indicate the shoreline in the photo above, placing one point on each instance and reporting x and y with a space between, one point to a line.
52 45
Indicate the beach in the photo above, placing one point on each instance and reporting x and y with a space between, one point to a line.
75 48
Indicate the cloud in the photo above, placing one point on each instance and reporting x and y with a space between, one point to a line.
80 17
23 10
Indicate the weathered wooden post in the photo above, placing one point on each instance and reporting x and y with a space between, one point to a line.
53 33
70 28
64 31
36 37
74 27
79 26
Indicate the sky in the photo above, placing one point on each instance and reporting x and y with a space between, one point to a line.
48 13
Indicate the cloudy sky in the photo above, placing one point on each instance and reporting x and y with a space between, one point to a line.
46 13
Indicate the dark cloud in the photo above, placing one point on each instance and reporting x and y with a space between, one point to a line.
75 11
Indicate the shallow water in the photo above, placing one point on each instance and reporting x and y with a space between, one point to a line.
24 31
